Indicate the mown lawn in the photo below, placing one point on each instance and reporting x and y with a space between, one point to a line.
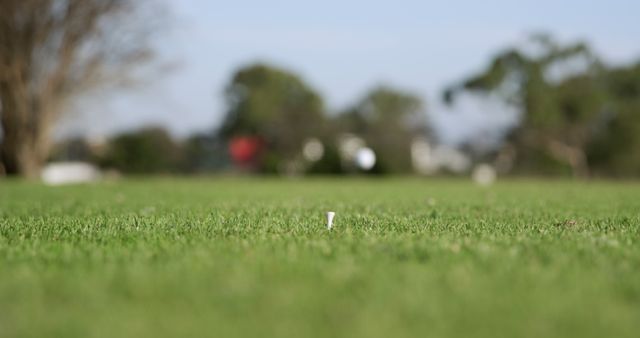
252 258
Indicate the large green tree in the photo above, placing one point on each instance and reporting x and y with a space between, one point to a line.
615 147
388 119
558 88
276 105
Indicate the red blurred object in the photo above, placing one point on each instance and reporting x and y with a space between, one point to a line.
244 150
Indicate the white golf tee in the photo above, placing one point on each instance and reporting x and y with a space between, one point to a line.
330 216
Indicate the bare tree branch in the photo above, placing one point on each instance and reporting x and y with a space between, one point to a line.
50 52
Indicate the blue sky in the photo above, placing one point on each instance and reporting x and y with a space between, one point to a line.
343 48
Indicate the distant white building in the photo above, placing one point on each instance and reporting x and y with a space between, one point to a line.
59 173
428 159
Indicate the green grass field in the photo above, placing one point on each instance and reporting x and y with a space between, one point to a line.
252 258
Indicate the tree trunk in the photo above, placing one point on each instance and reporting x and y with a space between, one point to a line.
24 143
20 156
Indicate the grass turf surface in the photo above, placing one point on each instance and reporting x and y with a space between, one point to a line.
252 258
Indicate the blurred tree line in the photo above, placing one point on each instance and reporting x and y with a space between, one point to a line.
285 113
577 115
150 150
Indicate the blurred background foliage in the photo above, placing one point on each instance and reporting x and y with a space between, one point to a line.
572 108
583 123
388 119
576 115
